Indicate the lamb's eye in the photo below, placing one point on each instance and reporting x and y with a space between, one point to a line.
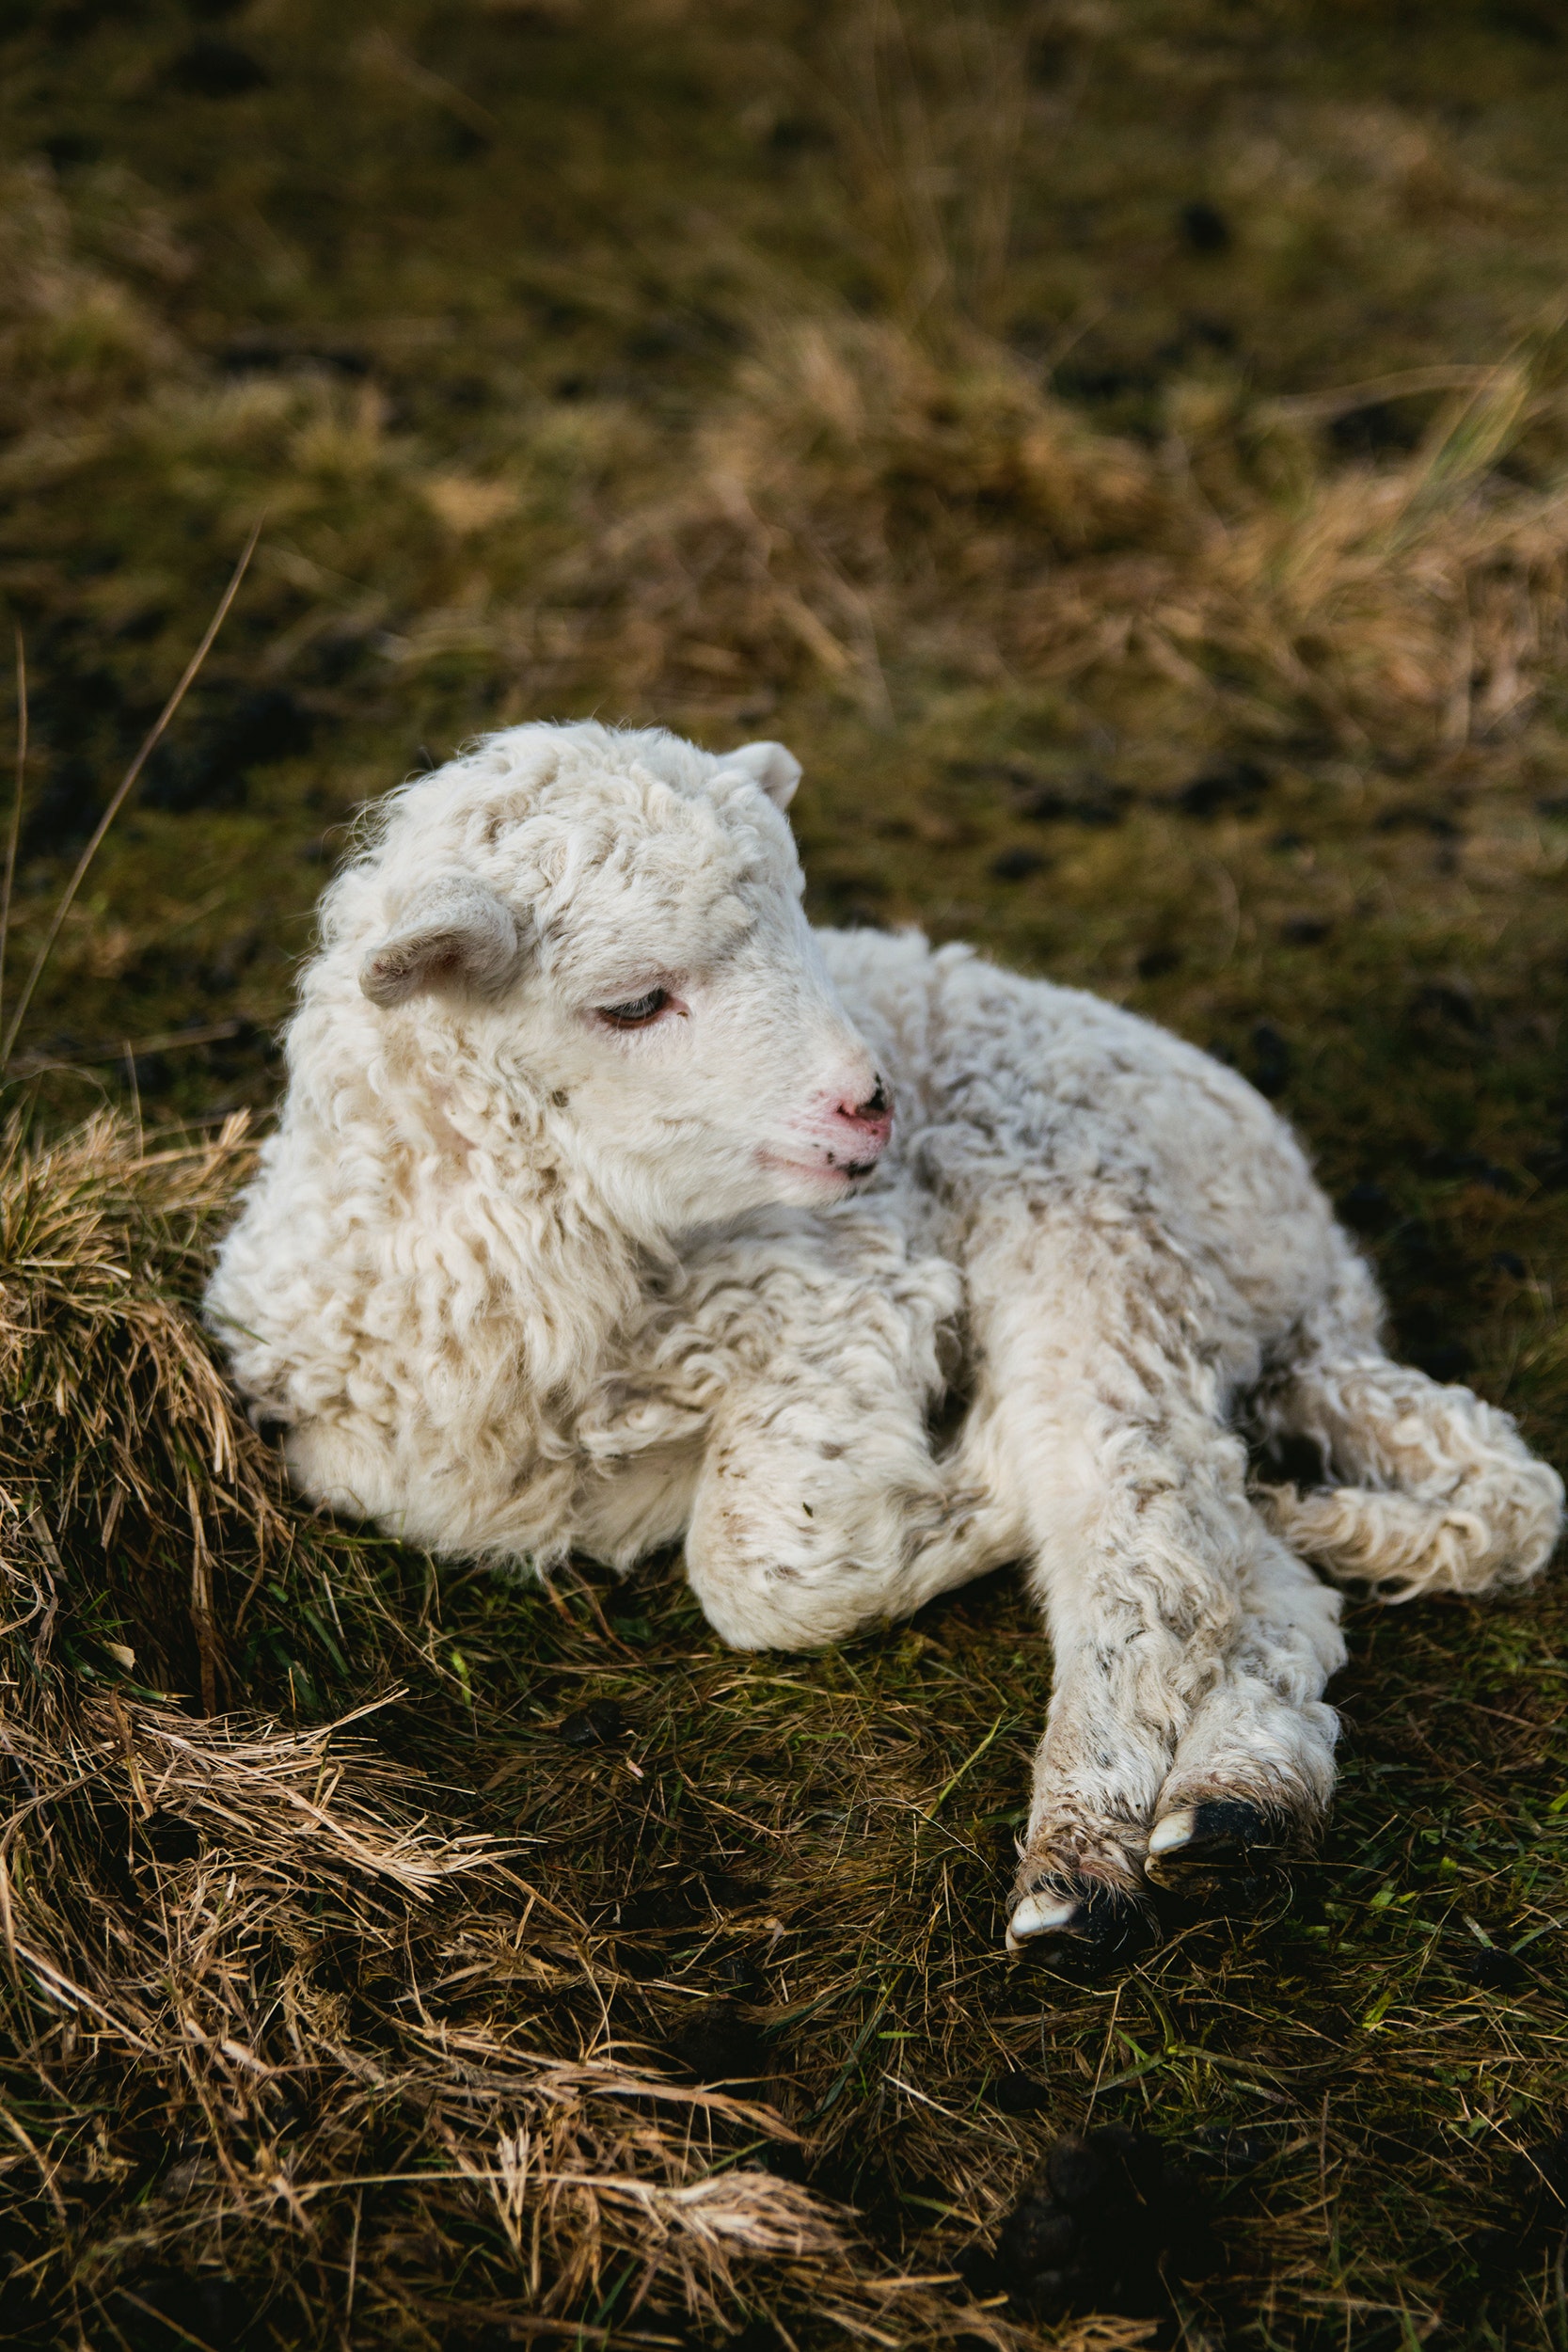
638 1012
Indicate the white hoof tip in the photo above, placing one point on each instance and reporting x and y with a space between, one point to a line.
1174 1832
1039 1915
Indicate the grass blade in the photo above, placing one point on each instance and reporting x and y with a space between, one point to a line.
15 834
126 782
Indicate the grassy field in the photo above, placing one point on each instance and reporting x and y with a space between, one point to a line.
1123 447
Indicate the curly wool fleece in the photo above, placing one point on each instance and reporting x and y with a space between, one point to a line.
586 1226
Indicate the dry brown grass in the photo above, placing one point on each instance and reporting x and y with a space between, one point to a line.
222 1934
863 501
872 498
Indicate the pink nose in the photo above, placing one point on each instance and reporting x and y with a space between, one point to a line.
870 1124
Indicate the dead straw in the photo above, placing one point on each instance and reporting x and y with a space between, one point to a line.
374 2042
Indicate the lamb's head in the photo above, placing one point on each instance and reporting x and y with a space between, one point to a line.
611 923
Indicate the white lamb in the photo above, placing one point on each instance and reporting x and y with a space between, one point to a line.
587 1226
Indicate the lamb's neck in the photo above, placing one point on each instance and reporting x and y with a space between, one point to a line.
533 1246
520 1250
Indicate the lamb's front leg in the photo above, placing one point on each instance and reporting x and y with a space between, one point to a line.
819 1509
819 1512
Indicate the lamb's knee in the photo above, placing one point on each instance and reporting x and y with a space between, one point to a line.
756 1597
798 1538
774 1569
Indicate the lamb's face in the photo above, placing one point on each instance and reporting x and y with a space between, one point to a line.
627 932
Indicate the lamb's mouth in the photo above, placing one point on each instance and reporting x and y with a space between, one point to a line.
825 1172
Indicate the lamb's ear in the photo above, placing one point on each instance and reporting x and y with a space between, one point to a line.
455 935
777 770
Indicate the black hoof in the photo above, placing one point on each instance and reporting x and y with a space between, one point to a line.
1202 1849
1077 1914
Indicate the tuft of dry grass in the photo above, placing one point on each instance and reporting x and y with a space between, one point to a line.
229 1943
863 502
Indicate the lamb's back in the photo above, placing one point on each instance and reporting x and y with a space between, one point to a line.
998 1077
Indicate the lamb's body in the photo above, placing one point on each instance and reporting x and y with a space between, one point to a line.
486 1323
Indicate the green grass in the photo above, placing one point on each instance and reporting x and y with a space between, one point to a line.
868 379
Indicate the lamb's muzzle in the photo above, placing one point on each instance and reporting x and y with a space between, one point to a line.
848 1133
869 1128
586 1225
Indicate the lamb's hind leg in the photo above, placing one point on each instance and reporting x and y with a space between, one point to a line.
1139 1559
1096 1412
1436 1490
1254 1770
